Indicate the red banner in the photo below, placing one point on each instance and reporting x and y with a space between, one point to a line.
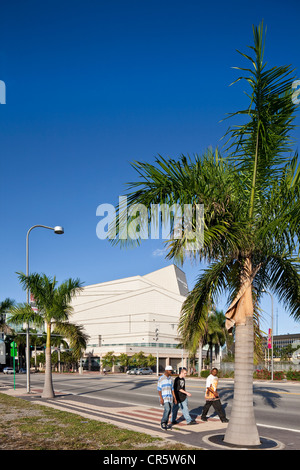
270 339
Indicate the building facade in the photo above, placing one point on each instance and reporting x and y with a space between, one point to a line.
283 341
134 314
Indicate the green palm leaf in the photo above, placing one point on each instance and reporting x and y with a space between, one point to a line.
259 148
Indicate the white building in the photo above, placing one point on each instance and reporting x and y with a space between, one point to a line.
124 315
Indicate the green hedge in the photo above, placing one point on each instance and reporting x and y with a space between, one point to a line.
205 373
293 375
262 374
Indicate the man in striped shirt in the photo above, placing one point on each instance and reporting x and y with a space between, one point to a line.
165 388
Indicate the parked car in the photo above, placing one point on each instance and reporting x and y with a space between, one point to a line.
144 371
132 371
8 370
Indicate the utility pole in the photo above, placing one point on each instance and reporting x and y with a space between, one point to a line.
157 355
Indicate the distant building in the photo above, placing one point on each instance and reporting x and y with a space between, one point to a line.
281 342
134 314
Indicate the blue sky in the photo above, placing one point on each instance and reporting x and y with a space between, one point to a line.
94 85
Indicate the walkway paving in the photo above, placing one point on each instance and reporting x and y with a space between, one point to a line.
203 435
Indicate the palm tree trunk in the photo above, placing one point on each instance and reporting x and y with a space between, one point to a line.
242 429
48 391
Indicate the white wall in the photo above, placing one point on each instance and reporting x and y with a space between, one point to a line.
129 310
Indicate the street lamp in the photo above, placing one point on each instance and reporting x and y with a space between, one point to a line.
272 357
157 353
58 230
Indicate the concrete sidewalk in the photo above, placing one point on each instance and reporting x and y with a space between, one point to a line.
203 435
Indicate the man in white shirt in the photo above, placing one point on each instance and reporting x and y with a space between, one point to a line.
212 397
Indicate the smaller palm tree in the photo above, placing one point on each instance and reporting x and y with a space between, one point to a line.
215 334
5 306
54 309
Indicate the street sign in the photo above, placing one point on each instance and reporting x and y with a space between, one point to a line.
13 349
14 354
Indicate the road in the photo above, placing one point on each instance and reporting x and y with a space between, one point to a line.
276 404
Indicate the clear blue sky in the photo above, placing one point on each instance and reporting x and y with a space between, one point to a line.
94 85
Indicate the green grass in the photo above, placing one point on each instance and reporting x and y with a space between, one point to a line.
26 426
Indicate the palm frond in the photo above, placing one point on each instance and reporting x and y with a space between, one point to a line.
284 280
5 305
216 279
206 181
260 147
75 334
23 313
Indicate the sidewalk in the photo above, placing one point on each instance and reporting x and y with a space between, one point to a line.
204 435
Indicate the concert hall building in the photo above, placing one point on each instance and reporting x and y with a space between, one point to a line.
134 314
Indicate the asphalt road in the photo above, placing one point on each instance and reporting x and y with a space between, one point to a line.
277 404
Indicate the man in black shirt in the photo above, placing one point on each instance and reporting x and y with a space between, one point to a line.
181 396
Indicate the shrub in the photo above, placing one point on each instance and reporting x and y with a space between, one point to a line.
226 375
293 375
279 375
262 374
205 373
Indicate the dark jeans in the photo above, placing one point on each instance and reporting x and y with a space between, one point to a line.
167 412
217 406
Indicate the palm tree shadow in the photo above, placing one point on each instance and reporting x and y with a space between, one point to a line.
95 390
195 412
142 383
270 398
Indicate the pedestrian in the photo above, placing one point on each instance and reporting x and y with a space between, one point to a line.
212 397
165 388
182 398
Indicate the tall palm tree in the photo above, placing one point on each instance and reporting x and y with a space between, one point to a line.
260 151
54 311
251 198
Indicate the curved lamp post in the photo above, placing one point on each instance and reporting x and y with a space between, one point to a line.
58 230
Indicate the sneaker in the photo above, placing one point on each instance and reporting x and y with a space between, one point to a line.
192 422
174 422
163 426
203 418
225 420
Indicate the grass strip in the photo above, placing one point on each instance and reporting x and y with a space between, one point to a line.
26 426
